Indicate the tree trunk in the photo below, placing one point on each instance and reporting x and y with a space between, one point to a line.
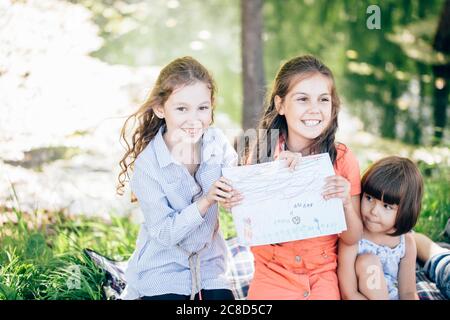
440 100
441 74
252 62
389 121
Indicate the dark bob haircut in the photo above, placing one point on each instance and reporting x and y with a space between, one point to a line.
396 180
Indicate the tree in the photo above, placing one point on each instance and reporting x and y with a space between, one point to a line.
441 73
252 62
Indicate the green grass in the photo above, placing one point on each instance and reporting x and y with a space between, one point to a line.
46 261
436 202
41 251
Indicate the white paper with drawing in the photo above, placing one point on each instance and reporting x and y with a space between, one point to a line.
280 205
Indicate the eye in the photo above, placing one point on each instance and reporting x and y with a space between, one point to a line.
204 108
388 206
369 198
302 99
325 100
181 108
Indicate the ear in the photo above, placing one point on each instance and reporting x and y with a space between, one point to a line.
159 111
279 105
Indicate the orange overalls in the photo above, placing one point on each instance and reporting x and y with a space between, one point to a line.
303 269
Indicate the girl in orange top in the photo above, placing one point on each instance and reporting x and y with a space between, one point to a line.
304 108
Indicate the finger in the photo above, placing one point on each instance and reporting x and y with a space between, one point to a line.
225 180
234 199
285 155
290 164
332 191
334 185
222 194
331 179
221 182
337 179
293 164
237 194
233 204
282 155
223 186
340 183
334 195
330 185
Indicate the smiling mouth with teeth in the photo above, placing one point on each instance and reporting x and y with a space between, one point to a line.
192 131
311 123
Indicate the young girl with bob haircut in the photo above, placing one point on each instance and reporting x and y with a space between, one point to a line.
382 264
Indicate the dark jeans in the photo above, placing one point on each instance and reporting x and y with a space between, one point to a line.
438 270
218 294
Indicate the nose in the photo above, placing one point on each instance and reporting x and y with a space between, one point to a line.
314 107
374 210
193 118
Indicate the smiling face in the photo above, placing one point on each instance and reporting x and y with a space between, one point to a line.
378 216
187 113
307 108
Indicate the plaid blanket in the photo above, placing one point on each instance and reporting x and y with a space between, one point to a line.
426 289
240 273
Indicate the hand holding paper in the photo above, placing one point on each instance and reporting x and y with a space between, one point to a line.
280 205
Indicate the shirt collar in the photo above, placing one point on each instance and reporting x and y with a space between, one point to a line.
162 152
165 158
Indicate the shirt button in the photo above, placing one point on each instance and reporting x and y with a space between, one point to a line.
305 294
298 258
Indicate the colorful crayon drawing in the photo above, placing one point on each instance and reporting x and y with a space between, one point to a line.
280 205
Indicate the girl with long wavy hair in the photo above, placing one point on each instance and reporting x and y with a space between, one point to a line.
176 159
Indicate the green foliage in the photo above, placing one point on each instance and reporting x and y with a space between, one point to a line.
226 224
47 261
436 202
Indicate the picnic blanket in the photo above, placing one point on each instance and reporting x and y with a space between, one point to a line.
240 272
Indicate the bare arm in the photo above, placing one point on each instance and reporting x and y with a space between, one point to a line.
348 281
353 219
407 272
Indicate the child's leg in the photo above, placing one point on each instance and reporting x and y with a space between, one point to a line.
436 260
371 281
426 248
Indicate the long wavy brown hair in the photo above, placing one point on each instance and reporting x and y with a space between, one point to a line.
289 74
178 73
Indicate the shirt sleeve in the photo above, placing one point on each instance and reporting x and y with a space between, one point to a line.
350 171
166 225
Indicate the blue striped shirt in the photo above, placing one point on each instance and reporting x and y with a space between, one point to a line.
165 191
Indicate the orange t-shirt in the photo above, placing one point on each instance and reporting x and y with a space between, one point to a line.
309 257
